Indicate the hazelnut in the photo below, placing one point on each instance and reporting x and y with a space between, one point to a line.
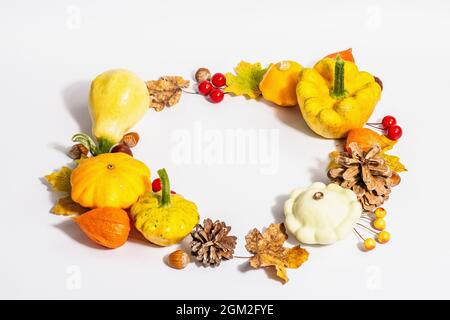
122 148
178 259
131 139
77 151
202 74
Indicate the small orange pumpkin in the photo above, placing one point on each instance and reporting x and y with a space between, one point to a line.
109 227
109 180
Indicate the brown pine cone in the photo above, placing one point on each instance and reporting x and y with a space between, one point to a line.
211 242
366 173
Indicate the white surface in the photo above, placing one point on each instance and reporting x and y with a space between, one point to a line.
49 54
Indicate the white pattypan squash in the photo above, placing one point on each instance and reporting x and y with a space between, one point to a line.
321 214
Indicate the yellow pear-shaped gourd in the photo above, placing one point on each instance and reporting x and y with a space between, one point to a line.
279 83
118 99
109 180
164 218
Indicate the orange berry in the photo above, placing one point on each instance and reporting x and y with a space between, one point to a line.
379 224
380 213
384 237
369 244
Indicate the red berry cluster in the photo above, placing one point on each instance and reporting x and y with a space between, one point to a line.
211 87
389 125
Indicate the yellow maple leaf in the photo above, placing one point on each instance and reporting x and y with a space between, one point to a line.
268 250
394 163
332 156
247 79
67 207
60 180
388 144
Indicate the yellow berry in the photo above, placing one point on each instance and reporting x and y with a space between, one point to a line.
379 224
369 244
384 237
380 213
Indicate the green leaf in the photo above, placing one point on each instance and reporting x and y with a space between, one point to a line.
246 81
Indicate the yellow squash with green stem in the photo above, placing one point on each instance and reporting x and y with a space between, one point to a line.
164 218
118 99
335 97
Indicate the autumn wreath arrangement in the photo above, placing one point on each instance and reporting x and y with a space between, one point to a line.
109 192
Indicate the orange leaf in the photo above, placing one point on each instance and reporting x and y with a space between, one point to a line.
346 55
268 250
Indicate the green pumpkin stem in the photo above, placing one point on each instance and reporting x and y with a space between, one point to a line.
165 199
338 91
104 145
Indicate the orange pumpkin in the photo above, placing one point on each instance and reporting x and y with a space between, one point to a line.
108 227
109 180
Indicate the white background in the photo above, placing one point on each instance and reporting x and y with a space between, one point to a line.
49 52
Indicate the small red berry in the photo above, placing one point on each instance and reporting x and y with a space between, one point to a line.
394 132
219 80
172 192
388 121
216 95
156 185
205 87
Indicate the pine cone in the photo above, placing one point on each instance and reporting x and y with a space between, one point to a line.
366 173
211 242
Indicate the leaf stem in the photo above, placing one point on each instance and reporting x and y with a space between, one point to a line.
367 228
354 229
190 92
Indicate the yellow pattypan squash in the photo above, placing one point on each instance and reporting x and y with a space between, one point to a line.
118 99
109 180
279 83
164 218
335 97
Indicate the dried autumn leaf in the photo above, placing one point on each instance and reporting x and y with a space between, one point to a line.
393 162
60 180
67 207
388 144
332 156
166 91
268 250
247 79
